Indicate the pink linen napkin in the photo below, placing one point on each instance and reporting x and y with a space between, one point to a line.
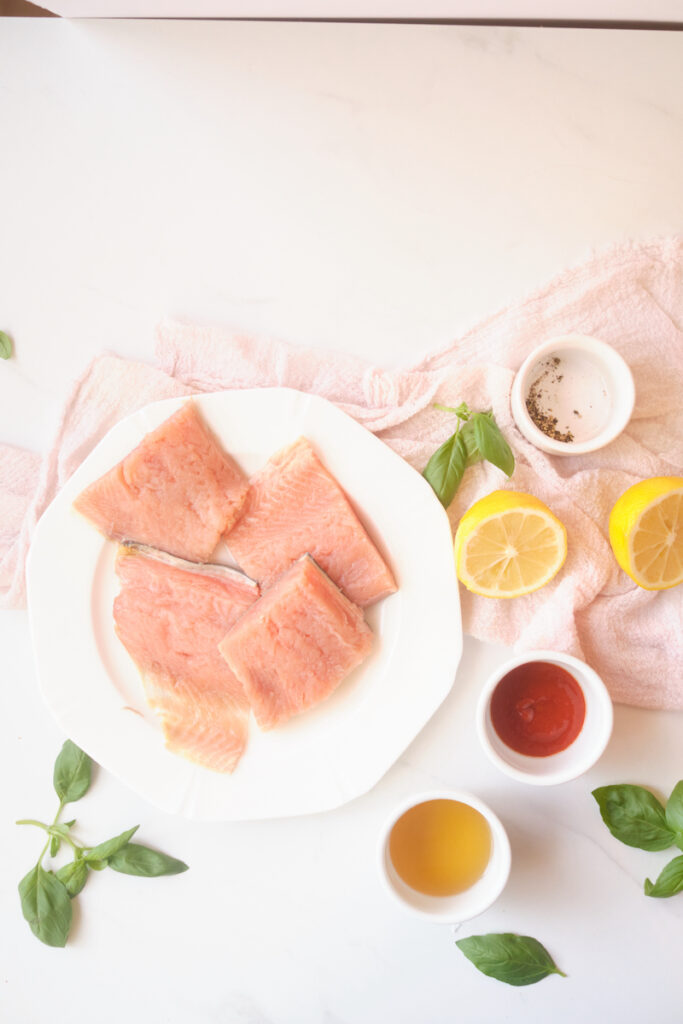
630 295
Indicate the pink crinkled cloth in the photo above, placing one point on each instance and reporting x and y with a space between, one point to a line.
630 295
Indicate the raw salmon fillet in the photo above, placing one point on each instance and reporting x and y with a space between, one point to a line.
295 506
170 616
177 490
292 648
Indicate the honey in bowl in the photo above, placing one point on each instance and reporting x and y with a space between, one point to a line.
440 847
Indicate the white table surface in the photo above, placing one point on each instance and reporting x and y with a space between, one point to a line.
373 189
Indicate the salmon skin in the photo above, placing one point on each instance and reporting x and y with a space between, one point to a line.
177 490
293 647
295 506
211 569
170 616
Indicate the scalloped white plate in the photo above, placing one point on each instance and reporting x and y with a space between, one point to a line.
326 756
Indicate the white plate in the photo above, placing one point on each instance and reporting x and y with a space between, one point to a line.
324 757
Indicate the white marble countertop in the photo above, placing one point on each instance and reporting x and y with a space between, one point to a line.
373 189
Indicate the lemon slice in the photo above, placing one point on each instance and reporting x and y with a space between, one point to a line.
508 544
646 532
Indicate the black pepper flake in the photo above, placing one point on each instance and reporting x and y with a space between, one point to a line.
536 403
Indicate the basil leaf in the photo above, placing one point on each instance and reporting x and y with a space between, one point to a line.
470 442
491 444
134 859
674 809
670 880
634 816
97 865
514 959
46 905
72 773
445 468
5 345
105 850
74 876
55 843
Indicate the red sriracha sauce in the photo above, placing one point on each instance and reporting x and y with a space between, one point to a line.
538 709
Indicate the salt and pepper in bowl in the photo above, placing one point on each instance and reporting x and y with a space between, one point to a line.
573 394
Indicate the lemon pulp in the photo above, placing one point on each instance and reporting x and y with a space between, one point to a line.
508 544
646 532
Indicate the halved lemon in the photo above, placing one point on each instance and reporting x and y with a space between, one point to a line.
508 544
646 532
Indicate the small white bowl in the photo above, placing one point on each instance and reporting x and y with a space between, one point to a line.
463 905
590 391
575 759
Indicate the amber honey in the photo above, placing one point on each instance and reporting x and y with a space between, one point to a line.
440 847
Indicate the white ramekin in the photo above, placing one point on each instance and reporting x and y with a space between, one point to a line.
464 905
613 371
575 759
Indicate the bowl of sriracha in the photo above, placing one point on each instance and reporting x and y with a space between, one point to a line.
544 717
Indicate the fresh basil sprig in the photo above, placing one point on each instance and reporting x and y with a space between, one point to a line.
514 959
45 894
636 817
5 345
477 438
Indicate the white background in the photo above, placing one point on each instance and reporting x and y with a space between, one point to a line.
373 189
